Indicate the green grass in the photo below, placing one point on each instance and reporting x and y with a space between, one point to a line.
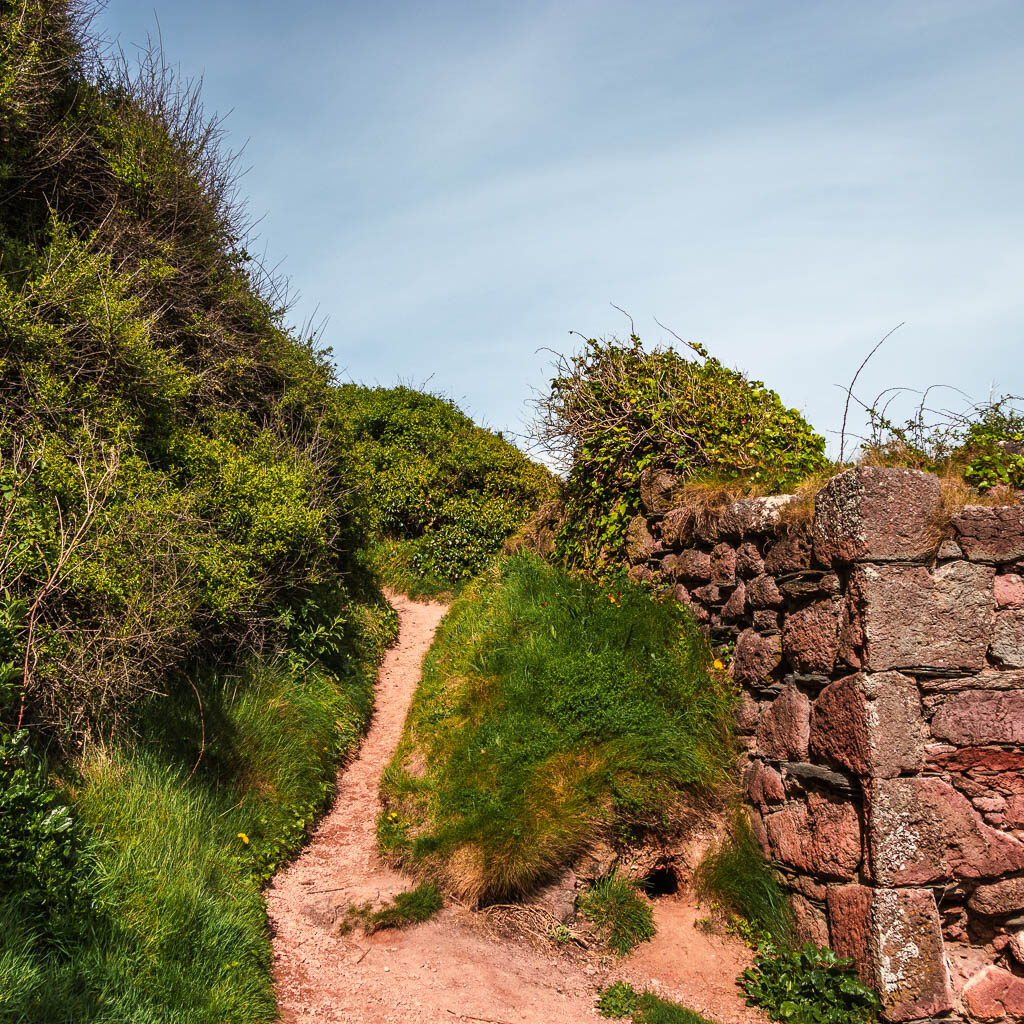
173 929
623 917
413 907
736 876
552 711
650 1009
620 1000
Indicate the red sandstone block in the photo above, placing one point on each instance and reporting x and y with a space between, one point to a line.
922 830
870 725
875 514
991 534
907 616
978 717
762 592
785 727
1003 897
994 994
895 939
749 562
810 636
755 657
694 566
821 837
790 553
1008 638
753 516
1009 591
764 785
723 565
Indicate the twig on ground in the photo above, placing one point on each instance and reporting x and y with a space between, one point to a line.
469 1016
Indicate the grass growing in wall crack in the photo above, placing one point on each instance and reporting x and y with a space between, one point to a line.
552 712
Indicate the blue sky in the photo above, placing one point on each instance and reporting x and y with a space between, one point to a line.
458 185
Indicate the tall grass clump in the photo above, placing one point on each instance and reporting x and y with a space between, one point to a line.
552 712
735 876
164 843
623 917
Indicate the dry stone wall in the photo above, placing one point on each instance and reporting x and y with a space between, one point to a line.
882 712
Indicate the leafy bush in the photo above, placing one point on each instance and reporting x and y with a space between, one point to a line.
809 985
39 841
180 550
434 479
614 409
617 1000
983 444
737 877
551 710
623 917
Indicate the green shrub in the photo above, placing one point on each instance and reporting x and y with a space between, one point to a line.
434 479
39 841
617 1000
614 409
809 985
736 876
983 445
623 917
551 710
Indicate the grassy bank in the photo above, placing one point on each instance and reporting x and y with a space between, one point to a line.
552 711
165 920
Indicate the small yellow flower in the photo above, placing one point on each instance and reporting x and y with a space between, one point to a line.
244 838
718 664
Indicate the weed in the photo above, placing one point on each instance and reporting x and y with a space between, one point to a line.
623 917
621 1000
617 1000
407 908
548 716
652 1009
413 907
809 985
560 934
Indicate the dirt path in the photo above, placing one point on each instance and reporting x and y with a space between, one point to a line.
453 968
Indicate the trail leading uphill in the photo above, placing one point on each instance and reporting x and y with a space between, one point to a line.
453 968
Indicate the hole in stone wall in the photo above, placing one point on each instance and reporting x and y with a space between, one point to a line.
662 881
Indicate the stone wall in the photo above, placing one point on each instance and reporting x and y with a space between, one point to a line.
882 710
